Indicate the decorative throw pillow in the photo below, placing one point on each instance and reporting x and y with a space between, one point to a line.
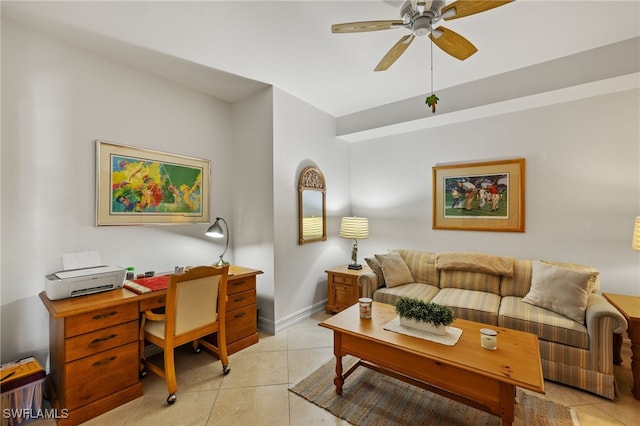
376 268
594 282
559 289
395 270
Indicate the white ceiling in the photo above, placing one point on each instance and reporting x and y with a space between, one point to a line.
289 44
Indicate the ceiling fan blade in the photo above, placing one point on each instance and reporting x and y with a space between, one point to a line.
452 43
394 53
359 27
462 8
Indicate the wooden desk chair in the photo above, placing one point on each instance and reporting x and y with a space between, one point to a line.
195 308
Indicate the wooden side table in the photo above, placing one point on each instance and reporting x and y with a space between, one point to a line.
342 287
629 307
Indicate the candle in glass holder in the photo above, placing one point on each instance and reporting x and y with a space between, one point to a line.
365 307
489 338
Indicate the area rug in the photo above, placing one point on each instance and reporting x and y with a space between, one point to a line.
371 398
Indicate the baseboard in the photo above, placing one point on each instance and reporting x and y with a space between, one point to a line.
275 327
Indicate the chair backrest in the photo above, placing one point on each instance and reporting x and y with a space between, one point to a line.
195 299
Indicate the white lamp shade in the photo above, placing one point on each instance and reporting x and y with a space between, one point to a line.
635 242
355 228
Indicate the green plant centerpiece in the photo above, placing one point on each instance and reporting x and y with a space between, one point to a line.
427 316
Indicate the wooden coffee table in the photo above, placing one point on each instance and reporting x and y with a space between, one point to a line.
465 372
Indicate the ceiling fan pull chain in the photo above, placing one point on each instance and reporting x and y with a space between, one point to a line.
431 66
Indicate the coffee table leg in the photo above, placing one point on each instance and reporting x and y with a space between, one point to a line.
507 403
337 351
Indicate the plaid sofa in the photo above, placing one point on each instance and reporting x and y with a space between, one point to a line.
573 353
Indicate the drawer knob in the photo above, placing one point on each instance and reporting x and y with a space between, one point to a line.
239 315
102 339
104 361
239 299
103 316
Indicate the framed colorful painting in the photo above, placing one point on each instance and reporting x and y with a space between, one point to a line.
480 196
136 186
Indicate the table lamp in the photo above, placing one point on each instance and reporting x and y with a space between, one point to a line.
635 242
355 228
215 231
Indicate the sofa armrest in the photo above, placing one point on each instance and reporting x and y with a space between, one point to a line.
603 320
368 283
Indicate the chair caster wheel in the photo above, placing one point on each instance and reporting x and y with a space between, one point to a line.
197 350
171 399
226 369
143 374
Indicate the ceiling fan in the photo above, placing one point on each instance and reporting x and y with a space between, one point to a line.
422 18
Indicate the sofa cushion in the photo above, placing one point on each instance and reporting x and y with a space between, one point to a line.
594 281
424 292
376 269
394 269
547 325
470 281
422 266
561 290
520 282
475 262
471 305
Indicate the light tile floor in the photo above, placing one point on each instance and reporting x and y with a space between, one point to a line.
256 390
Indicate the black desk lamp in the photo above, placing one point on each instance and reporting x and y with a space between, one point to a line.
215 231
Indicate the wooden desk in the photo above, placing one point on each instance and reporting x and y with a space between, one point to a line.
93 343
629 307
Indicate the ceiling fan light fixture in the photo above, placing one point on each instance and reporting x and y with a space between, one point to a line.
422 26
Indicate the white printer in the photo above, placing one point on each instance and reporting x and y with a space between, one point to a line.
81 281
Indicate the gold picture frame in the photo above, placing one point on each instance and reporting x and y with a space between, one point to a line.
137 186
480 196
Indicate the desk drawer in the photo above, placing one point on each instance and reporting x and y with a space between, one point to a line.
101 318
100 375
101 340
241 323
153 302
240 300
238 285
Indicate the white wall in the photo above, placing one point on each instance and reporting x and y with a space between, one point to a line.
253 195
56 101
582 185
303 136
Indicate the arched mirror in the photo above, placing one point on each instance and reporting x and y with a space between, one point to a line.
312 220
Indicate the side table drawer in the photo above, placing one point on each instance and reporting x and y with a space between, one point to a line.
241 323
100 375
101 340
339 279
101 318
